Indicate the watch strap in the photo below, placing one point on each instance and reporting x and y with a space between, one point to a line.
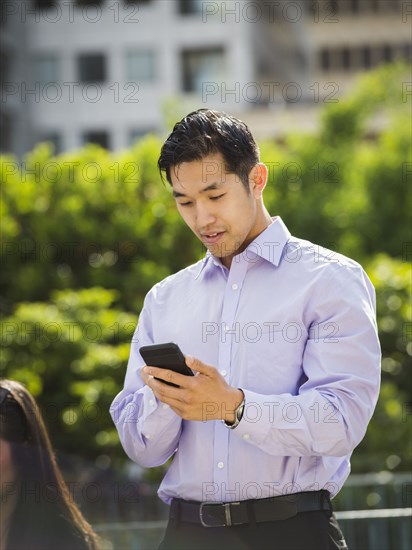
238 414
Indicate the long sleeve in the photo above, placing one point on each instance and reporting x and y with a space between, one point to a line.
341 366
149 430
291 324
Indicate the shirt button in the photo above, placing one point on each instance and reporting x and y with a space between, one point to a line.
223 372
220 465
246 436
235 286
165 406
147 436
151 402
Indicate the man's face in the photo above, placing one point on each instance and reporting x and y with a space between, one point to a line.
216 206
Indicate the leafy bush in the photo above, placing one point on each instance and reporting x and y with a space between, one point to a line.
387 443
71 352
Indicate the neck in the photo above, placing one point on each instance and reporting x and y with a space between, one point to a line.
264 221
267 219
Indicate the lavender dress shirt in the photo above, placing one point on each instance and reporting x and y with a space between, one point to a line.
293 325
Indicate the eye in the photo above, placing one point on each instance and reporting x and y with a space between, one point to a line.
217 197
185 203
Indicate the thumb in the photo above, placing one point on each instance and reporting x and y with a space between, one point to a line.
197 365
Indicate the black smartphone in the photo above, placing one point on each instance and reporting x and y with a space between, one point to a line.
166 356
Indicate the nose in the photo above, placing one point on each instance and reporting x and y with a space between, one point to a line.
204 216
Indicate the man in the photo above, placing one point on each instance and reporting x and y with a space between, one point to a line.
283 340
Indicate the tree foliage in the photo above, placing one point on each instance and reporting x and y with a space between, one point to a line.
87 233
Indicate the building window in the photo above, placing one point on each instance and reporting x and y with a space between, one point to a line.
357 6
92 67
5 132
43 4
382 5
140 66
5 64
200 66
45 68
406 51
387 53
139 133
346 59
190 7
331 59
333 7
366 57
98 137
324 59
394 5
54 138
88 2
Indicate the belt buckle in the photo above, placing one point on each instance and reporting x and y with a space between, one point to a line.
228 515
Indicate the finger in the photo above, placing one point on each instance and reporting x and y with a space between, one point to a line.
168 376
197 366
178 411
145 377
165 392
174 404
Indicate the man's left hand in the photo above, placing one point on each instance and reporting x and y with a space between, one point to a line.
205 396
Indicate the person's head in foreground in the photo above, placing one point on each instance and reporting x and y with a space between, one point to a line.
37 511
211 160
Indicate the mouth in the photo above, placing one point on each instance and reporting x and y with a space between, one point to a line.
212 238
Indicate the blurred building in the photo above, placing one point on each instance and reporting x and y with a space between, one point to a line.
76 71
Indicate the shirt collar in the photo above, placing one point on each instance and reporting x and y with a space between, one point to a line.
209 262
268 245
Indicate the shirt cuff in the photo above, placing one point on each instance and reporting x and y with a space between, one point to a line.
255 424
157 415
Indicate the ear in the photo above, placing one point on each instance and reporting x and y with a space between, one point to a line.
258 178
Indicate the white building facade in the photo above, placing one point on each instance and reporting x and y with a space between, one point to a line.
78 71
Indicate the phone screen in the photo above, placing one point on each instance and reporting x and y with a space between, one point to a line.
165 356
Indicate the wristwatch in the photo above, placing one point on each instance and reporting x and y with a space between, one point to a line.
238 414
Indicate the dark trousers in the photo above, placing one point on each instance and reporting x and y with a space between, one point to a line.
317 530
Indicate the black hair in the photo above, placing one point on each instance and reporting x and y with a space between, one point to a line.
205 132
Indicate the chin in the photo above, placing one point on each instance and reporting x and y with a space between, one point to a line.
224 252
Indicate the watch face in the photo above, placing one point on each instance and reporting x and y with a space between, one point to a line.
238 416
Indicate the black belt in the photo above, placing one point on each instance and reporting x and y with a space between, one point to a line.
212 514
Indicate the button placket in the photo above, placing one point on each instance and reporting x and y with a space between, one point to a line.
230 305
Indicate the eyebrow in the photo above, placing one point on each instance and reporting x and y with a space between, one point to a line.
210 187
